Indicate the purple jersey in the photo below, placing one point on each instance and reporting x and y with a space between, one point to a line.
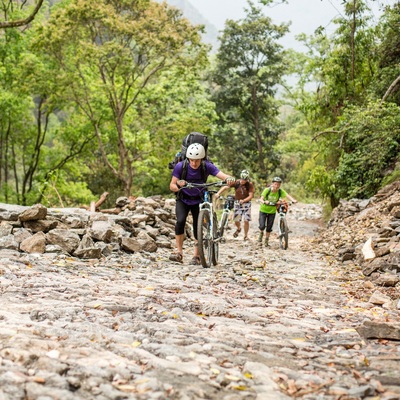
194 195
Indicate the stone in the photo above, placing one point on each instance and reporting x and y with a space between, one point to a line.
379 298
379 330
40 225
101 230
367 250
5 229
34 244
64 238
36 212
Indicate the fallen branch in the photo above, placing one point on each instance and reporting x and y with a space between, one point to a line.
390 89
94 206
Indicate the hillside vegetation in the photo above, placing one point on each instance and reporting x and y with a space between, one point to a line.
97 95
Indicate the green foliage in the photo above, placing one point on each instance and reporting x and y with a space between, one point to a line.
321 179
179 105
343 66
115 52
249 64
343 124
296 151
392 176
389 55
97 95
370 146
58 192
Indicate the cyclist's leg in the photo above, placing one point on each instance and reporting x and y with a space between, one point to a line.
181 211
195 214
270 224
262 217
237 218
246 218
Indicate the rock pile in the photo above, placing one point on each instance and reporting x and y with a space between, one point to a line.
367 233
143 224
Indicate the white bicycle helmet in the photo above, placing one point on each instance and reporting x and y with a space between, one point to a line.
244 174
277 179
195 151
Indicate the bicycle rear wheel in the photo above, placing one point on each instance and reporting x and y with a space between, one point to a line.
223 223
284 234
204 237
215 245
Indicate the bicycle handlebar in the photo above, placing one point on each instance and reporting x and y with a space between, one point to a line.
190 185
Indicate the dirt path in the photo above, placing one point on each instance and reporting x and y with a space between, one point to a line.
263 324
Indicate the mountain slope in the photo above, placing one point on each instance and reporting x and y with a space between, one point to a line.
194 16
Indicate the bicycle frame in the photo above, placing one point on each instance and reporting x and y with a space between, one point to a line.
223 222
207 226
207 204
283 228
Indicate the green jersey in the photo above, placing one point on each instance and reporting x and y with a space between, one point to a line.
272 197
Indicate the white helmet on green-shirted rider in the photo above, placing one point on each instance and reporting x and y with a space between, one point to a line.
195 151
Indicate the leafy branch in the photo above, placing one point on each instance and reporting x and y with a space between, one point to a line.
21 22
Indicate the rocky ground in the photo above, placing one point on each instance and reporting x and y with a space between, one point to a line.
263 324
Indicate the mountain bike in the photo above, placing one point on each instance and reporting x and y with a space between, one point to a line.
228 206
283 228
208 235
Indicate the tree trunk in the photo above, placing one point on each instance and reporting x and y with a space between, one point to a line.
352 45
259 141
390 89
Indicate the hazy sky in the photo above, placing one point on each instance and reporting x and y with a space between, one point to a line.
306 15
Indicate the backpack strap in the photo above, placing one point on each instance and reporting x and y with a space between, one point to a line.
184 169
267 194
246 185
269 191
203 170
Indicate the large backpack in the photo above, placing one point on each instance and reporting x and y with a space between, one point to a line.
193 137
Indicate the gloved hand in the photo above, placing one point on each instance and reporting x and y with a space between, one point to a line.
230 179
181 183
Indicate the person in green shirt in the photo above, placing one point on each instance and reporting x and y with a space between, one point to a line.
269 197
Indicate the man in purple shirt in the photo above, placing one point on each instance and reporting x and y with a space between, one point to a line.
188 200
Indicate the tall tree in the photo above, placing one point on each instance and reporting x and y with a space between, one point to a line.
249 65
387 81
179 104
115 50
344 65
30 121
17 133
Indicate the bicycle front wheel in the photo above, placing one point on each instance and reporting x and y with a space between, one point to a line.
284 234
223 223
204 237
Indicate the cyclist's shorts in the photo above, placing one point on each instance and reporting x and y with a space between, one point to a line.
242 211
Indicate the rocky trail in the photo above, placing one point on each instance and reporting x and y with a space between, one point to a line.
263 324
